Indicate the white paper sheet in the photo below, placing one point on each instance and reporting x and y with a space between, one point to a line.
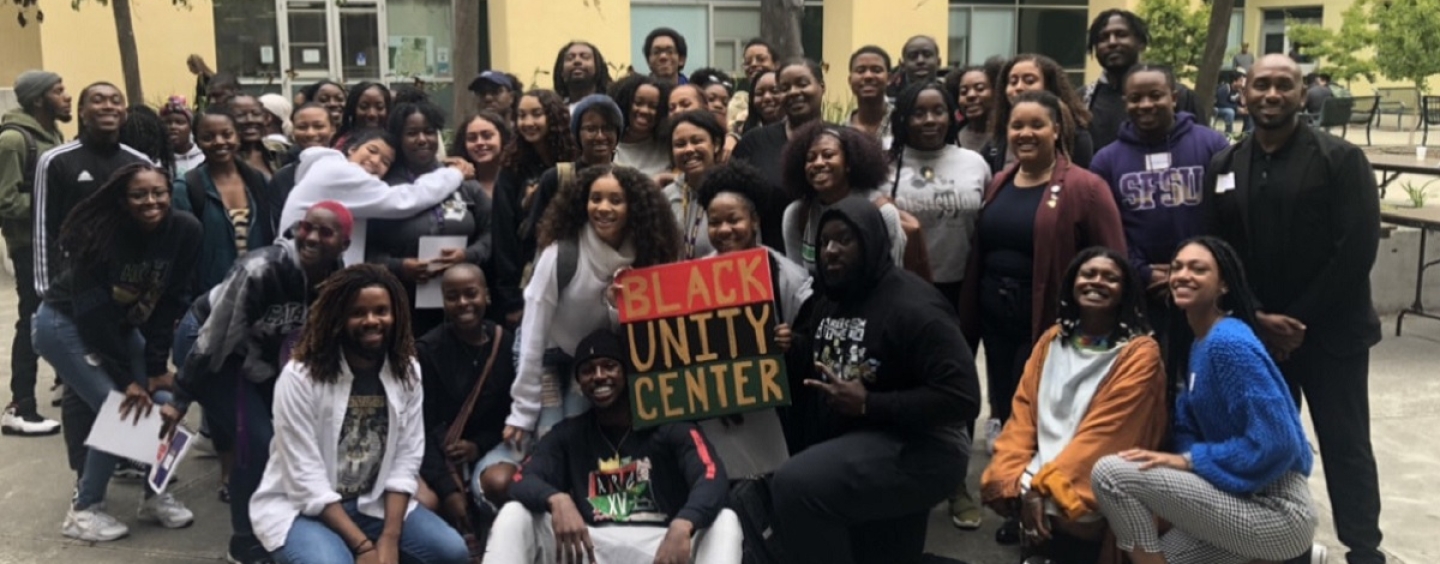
427 294
356 253
121 437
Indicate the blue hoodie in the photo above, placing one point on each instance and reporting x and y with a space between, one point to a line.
1159 208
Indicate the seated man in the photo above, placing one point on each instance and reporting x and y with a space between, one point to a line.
624 495
897 383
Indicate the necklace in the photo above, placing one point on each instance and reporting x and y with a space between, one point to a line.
614 447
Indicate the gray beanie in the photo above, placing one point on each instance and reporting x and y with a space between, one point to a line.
601 103
32 85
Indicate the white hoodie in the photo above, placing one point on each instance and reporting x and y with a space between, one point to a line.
325 174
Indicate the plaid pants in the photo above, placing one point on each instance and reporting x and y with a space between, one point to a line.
1210 526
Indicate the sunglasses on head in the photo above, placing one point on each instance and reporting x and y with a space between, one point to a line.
304 228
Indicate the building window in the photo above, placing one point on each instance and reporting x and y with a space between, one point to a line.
715 32
246 38
1273 38
981 29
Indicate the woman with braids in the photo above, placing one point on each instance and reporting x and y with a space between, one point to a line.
144 131
755 444
643 102
108 320
366 106
824 164
764 103
350 435
330 95
1036 216
227 196
1094 385
1234 489
1026 73
609 219
395 243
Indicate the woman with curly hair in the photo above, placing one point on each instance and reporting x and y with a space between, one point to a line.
1030 72
696 142
644 103
822 165
350 435
609 219
108 320
1094 385
330 95
543 138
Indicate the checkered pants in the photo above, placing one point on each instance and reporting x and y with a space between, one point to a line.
1210 526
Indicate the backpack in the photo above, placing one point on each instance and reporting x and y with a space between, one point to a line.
32 156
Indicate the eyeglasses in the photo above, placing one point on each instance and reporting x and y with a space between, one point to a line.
304 229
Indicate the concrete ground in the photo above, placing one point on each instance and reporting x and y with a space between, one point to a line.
35 482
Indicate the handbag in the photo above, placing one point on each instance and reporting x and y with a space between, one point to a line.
457 429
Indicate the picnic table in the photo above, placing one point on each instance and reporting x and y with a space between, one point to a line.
1426 220
1391 166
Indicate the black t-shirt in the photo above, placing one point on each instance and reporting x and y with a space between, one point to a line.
764 149
362 435
1007 231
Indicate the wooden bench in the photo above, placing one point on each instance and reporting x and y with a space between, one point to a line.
1400 101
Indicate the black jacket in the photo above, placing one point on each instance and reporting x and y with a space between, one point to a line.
897 334
67 174
1331 221
665 472
141 284
449 368
250 320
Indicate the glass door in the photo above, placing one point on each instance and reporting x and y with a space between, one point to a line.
330 39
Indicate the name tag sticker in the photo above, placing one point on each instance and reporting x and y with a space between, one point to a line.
1225 183
1157 161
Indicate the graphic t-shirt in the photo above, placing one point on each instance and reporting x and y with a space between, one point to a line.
362 435
619 489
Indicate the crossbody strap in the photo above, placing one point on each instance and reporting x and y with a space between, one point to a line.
457 427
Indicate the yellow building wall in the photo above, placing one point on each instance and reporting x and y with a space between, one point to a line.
852 24
19 48
526 34
82 47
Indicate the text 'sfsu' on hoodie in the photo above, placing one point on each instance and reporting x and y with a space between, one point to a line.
1161 207
898 335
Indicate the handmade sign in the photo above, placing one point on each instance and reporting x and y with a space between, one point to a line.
701 336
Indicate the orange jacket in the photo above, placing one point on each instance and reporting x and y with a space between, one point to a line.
1128 411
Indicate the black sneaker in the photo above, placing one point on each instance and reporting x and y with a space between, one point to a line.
1008 533
131 470
247 550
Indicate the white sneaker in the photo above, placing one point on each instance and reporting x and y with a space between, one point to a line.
992 432
165 510
92 524
14 423
57 394
1318 554
203 444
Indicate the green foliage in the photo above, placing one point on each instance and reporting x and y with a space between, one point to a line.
1408 39
1418 193
1177 34
1341 53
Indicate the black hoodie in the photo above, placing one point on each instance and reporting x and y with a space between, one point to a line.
898 334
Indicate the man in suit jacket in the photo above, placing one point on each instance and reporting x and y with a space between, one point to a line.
1302 209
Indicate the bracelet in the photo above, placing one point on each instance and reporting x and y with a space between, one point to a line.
359 547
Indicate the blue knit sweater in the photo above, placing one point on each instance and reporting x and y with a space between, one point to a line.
1236 417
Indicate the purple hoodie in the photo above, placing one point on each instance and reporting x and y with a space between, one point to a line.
1159 208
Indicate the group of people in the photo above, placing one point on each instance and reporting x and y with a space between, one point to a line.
1152 300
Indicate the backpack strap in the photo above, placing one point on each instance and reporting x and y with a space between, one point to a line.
566 263
32 156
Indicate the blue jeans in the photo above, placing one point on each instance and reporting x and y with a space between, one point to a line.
57 339
424 539
1228 116
238 412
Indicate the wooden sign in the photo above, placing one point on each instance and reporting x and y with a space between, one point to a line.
701 336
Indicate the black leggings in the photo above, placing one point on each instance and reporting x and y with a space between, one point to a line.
1005 312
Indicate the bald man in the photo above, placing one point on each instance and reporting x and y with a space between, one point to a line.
1302 209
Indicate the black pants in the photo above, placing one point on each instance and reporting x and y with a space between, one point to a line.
23 361
1338 389
1005 312
870 487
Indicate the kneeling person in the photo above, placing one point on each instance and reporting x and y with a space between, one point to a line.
596 469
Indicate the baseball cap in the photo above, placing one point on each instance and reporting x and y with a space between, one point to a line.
492 78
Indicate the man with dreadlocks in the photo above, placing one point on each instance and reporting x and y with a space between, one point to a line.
580 71
349 436
242 331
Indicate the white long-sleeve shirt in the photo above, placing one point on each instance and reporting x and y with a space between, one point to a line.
325 174
301 475
560 320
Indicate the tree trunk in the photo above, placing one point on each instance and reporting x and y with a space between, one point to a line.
1208 76
464 55
780 26
129 55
